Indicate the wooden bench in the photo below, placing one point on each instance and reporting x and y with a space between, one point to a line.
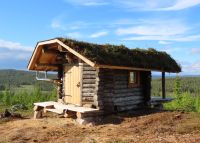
59 108
157 102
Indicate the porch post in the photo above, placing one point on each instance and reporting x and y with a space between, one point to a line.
163 85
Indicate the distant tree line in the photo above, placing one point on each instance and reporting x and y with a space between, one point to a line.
188 84
15 78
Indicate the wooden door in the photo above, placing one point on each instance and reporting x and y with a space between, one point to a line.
72 85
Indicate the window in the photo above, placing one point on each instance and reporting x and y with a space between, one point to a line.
133 79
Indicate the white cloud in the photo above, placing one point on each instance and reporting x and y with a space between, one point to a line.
87 2
74 35
15 55
159 29
144 5
56 24
60 24
181 4
172 50
162 38
191 68
155 28
14 51
164 42
99 34
4 55
158 5
23 56
195 51
14 46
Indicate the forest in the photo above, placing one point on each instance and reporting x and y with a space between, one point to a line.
188 84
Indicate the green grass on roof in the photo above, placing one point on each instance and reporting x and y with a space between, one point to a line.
122 56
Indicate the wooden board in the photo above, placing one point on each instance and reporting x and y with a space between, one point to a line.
72 84
45 104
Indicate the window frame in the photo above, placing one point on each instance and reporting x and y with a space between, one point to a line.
137 79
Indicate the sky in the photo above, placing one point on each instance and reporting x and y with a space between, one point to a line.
166 25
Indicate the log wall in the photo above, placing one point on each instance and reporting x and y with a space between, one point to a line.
108 89
113 93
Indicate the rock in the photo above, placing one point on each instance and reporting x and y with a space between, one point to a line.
18 107
7 113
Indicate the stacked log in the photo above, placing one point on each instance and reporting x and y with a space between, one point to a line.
108 89
88 84
113 92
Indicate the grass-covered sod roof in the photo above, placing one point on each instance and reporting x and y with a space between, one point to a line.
122 56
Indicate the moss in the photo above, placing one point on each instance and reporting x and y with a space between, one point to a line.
123 56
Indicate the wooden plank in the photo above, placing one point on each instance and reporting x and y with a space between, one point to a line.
58 111
45 104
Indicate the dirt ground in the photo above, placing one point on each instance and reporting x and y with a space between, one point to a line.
152 127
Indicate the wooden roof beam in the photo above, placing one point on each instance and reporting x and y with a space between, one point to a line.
47 65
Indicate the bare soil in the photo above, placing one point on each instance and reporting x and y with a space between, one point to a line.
146 127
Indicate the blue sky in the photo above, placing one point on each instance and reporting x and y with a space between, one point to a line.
171 25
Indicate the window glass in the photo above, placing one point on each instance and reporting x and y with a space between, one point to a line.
132 77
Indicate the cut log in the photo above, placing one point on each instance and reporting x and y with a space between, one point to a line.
89 76
89 72
88 81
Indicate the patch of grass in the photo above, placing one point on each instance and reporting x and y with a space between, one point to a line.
26 97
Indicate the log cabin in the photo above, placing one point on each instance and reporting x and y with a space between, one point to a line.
106 77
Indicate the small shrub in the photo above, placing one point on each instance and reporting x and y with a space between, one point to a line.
183 101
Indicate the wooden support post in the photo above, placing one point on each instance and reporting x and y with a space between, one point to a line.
163 85
37 112
59 88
